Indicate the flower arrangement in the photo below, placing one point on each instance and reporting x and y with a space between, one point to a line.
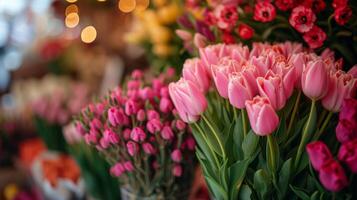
150 151
94 169
317 23
253 126
54 108
153 29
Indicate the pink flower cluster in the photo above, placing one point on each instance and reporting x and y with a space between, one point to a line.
261 80
137 124
59 106
332 175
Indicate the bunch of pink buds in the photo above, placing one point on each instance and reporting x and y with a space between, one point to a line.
137 129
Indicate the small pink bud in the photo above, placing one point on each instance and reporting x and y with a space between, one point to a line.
165 105
176 155
166 133
117 170
126 134
177 170
140 116
164 92
199 40
146 93
137 74
133 85
190 143
132 148
112 116
152 114
131 107
128 166
148 148
104 143
79 128
180 125
184 35
137 134
110 136
154 125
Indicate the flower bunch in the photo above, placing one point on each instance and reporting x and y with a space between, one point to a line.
153 28
149 149
331 173
255 122
318 23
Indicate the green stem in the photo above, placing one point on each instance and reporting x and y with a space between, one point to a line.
235 113
296 105
212 152
323 115
329 21
244 122
271 153
324 125
216 135
305 134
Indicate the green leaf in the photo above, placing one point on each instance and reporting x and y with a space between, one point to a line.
300 193
304 161
262 183
211 138
284 177
281 131
245 192
315 195
236 174
250 144
238 137
272 154
218 191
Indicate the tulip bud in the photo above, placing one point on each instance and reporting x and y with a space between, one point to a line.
239 90
184 35
137 134
333 177
262 116
199 40
180 125
146 93
154 125
128 166
177 170
272 88
166 133
152 114
137 74
176 155
112 116
194 71
164 92
314 80
319 154
140 116
165 105
148 148
110 136
132 148
126 134
131 107
117 170
190 144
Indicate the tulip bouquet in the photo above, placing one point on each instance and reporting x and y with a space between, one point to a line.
54 108
317 23
153 29
150 151
94 169
252 127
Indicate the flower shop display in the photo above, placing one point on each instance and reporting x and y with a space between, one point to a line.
54 107
319 24
253 110
150 150
153 29
94 169
58 176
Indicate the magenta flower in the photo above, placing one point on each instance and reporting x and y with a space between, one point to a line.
333 177
264 11
348 154
138 134
319 154
176 155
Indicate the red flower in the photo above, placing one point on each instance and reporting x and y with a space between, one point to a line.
228 38
209 18
333 177
245 31
342 15
302 19
348 154
315 37
284 4
316 5
264 12
339 3
226 16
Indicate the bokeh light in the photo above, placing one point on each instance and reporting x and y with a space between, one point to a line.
89 34
141 5
127 6
71 1
73 8
72 20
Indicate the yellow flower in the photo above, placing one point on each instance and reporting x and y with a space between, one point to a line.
150 18
162 50
168 14
160 34
198 13
10 191
159 3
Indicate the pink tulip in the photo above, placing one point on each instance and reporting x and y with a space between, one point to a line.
112 116
154 125
164 92
220 74
176 155
95 124
298 62
239 90
126 134
341 86
190 143
117 170
333 177
104 143
140 116
188 100
146 93
346 130
110 136
132 148
91 138
194 71
131 107
180 125
348 154
184 35
348 110
319 154
165 105
288 76
177 170
153 114
314 80
262 116
210 55
199 40
128 166
137 134
272 88
262 63
148 148
167 133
